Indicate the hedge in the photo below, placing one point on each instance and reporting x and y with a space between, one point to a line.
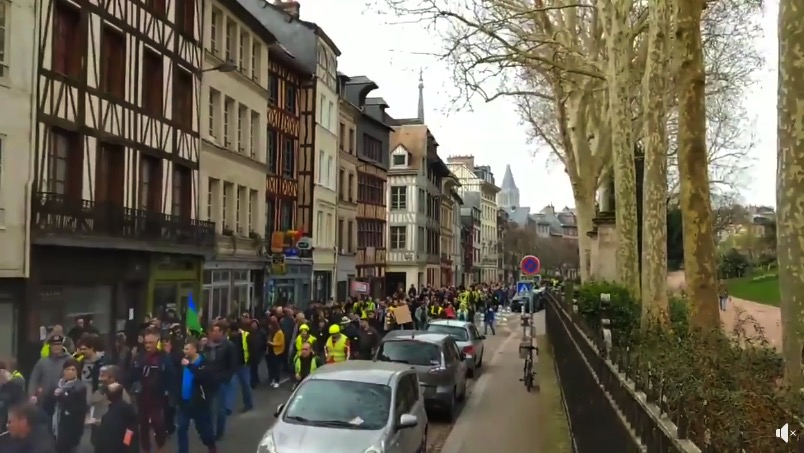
728 389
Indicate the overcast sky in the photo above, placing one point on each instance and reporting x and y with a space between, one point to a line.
393 55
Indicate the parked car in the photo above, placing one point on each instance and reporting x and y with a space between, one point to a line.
438 361
353 406
536 298
468 338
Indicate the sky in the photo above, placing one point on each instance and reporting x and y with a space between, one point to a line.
393 54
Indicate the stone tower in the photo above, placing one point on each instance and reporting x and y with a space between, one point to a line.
508 196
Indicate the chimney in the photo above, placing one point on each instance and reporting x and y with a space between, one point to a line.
291 7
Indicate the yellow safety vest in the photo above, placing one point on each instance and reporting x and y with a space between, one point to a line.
45 351
244 337
297 364
299 342
17 375
337 351
435 310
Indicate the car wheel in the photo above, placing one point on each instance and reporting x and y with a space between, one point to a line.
423 447
470 372
462 395
449 411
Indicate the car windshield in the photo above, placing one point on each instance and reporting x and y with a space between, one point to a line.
340 404
456 332
410 352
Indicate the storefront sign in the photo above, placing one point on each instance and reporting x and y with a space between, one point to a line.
281 187
360 288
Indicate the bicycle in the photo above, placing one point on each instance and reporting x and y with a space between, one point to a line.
528 375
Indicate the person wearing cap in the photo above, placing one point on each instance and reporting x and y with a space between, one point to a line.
351 329
337 347
48 370
304 336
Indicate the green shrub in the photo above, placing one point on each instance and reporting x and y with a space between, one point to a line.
732 264
727 388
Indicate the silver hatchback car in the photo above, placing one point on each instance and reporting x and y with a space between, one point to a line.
467 336
351 407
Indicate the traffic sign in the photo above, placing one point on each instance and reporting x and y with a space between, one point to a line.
524 287
530 265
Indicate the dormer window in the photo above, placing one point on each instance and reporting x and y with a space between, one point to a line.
400 160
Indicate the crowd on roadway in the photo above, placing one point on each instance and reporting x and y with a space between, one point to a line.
137 394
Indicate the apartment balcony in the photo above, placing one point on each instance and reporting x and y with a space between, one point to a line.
446 260
57 219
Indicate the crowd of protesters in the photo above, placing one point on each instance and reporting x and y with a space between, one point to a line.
140 392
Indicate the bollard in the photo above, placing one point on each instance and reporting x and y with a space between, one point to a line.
605 324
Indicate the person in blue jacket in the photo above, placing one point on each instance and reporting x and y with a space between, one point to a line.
195 403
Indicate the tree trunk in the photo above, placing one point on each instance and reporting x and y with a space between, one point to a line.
618 78
585 214
654 186
695 203
790 189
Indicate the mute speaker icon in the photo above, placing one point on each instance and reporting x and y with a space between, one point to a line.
784 433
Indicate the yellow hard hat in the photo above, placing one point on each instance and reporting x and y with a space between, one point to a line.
304 327
334 329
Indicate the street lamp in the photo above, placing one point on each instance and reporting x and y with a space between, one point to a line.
226 66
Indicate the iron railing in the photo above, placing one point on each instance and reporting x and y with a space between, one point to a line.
56 214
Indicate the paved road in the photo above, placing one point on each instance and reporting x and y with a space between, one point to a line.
245 430
499 391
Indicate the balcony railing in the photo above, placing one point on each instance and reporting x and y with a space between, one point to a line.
57 214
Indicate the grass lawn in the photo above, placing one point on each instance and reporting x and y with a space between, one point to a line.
553 424
765 291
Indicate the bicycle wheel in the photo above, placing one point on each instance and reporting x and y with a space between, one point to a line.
529 381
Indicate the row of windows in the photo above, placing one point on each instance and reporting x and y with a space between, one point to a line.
233 125
324 229
280 215
346 142
65 164
370 233
233 44
326 165
232 206
68 58
5 38
282 154
370 189
346 185
346 239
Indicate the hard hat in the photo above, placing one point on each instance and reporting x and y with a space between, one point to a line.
304 327
334 329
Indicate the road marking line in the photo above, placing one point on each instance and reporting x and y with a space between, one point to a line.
454 442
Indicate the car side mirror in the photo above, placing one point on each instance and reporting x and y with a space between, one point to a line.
407 421
279 410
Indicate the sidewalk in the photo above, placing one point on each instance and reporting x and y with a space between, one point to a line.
501 415
766 316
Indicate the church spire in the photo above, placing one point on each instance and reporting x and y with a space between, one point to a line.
420 115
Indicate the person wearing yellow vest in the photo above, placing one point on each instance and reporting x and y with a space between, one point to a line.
243 349
337 347
435 310
305 363
304 337
276 351
367 309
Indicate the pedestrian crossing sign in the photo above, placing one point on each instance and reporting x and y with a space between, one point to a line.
524 287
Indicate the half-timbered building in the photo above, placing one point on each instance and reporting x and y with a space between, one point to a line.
289 177
235 88
417 174
115 210
373 136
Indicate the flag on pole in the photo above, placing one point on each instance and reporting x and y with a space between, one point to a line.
192 322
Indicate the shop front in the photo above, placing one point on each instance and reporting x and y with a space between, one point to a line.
322 286
231 287
172 281
289 283
12 293
103 285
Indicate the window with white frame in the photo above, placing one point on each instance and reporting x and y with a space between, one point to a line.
253 196
399 239
244 53
242 123
216 19
228 189
256 49
231 32
5 37
330 229
214 107
330 176
322 119
254 135
330 117
227 292
321 167
213 190
241 195
399 197
228 111
319 227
